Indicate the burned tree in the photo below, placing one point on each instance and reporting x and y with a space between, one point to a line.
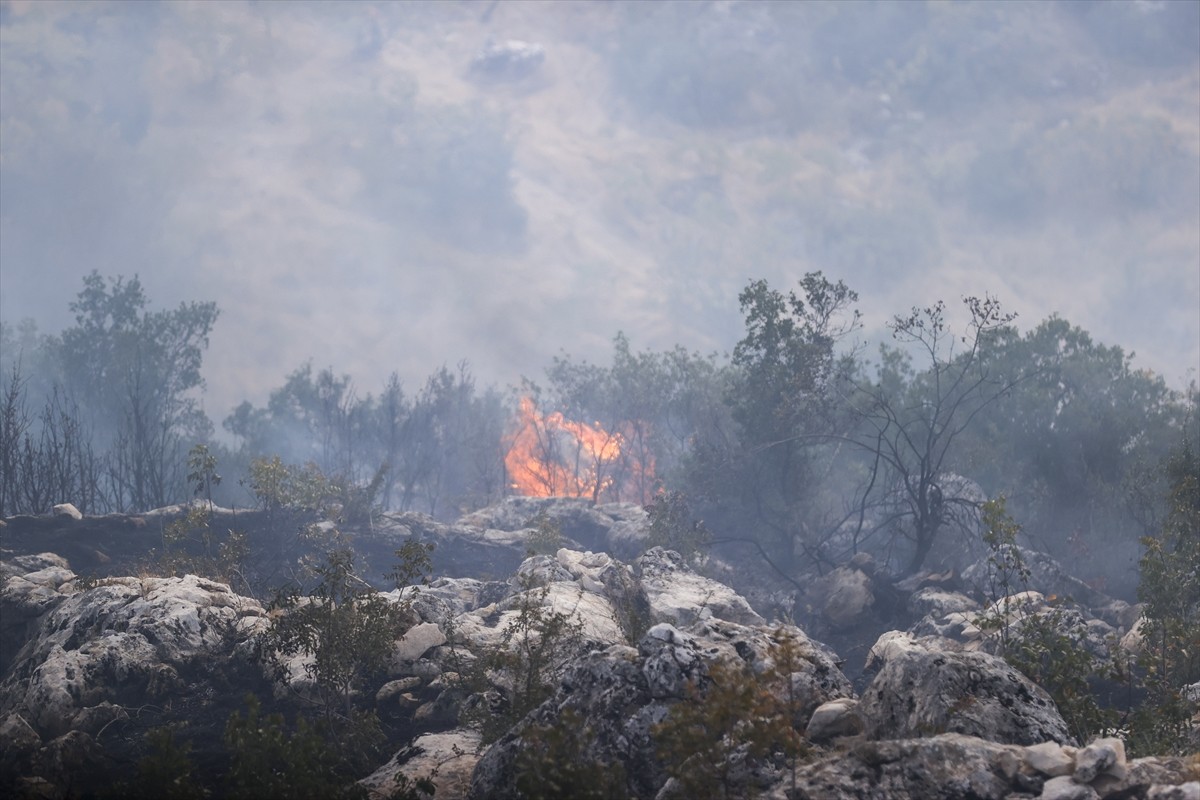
908 423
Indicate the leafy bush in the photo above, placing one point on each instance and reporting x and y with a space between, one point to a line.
554 766
271 762
730 721
1036 644
521 671
545 536
344 624
673 527
1170 588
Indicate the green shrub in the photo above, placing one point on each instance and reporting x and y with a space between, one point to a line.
1170 589
545 536
732 719
673 527
1035 644
524 667
554 764
269 761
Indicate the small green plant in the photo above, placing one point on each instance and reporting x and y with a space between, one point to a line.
734 717
673 527
202 475
545 536
219 557
344 624
1170 588
523 668
166 771
554 764
269 761
1033 641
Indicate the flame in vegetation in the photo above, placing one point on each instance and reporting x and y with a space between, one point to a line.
552 456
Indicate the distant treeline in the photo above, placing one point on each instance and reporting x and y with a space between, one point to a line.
800 444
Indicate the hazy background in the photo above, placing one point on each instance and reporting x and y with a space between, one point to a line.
347 188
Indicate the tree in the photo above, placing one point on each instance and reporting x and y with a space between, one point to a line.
909 428
138 371
1076 447
1170 589
781 395
345 625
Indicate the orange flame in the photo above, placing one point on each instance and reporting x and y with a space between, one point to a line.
551 456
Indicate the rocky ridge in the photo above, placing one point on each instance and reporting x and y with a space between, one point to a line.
90 664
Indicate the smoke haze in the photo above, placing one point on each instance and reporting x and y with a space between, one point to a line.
352 185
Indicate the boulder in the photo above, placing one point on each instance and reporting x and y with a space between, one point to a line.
418 640
1066 788
922 691
128 637
938 602
679 595
1046 576
844 597
622 693
833 719
447 758
66 510
1050 759
949 766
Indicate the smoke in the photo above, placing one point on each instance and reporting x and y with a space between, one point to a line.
348 191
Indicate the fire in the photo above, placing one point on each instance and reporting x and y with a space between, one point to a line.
552 456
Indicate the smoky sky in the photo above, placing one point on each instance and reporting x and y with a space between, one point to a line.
350 189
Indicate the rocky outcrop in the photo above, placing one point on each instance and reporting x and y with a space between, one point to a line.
1046 576
125 639
623 692
447 759
922 690
938 716
953 766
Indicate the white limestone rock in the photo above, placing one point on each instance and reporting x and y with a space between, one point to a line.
66 510
937 602
125 632
1101 757
833 719
449 758
919 689
1183 791
678 595
417 641
1050 758
1065 788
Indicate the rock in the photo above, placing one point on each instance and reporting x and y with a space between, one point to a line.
1050 759
1101 757
1046 576
66 510
395 688
449 758
623 692
1133 641
616 528
1184 791
937 602
417 641
844 596
20 743
948 766
32 586
921 691
1064 788
131 636
678 595
833 719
